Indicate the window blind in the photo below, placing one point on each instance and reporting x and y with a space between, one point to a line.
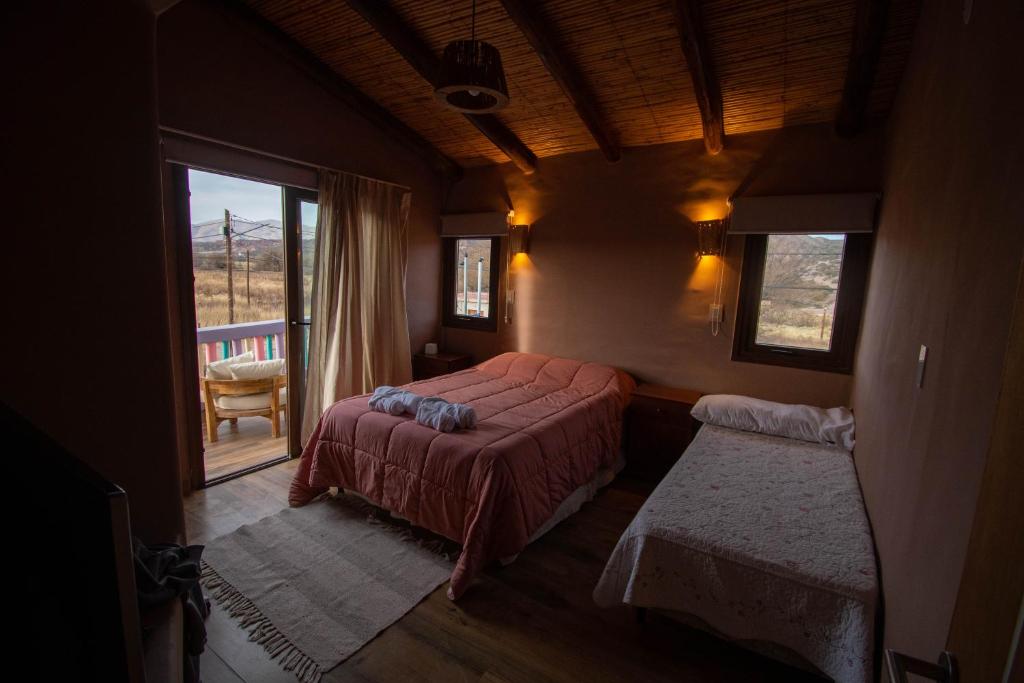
815 213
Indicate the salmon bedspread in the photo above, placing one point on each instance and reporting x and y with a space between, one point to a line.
545 427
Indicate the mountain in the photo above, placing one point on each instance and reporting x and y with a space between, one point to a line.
242 230
803 269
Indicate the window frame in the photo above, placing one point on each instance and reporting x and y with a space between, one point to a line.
449 317
846 318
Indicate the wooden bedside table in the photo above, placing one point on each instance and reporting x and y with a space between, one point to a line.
658 428
425 367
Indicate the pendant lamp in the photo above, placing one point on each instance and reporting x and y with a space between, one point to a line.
471 79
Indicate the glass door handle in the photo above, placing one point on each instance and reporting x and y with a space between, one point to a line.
296 322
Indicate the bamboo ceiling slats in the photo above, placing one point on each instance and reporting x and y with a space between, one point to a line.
538 113
630 53
778 62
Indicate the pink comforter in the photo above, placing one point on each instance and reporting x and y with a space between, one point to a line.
546 426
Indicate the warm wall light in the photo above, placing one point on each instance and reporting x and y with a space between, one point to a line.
518 239
709 237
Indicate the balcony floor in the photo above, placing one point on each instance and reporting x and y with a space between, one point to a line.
243 445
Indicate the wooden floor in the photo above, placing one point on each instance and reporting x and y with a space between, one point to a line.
242 445
530 622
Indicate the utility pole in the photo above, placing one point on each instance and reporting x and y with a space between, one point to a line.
248 298
231 284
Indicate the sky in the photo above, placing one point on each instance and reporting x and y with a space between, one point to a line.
212 193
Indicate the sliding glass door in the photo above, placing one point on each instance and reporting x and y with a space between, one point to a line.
249 242
301 212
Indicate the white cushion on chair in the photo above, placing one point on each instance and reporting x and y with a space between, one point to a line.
260 369
249 401
221 369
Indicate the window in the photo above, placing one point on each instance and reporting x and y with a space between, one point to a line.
800 300
471 267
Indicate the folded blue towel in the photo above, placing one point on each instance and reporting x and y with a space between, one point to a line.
443 416
378 401
386 399
432 413
464 415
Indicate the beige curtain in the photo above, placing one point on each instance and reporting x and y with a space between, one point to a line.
359 335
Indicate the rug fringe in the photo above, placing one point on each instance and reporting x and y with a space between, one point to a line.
260 630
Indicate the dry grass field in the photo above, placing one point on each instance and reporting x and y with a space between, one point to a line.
264 300
787 325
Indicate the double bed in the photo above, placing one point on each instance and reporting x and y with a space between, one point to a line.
548 432
764 539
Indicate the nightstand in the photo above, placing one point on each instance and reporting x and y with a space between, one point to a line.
425 367
658 428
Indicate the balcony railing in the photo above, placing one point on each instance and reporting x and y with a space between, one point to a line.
264 338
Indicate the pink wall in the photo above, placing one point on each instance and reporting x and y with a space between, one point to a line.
612 274
85 304
947 258
217 81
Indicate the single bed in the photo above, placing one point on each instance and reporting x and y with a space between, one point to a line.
547 428
763 538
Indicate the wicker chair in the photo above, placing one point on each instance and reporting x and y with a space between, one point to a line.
245 398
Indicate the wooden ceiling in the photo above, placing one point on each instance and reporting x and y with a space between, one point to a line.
778 63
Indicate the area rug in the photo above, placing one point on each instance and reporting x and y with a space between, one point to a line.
314 584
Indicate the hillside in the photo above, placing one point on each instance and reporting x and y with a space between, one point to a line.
798 297
260 240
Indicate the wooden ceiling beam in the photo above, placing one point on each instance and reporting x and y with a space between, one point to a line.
383 18
705 82
544 42
273 37
868 31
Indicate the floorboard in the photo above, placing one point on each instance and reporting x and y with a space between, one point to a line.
529 622
242 444
214 670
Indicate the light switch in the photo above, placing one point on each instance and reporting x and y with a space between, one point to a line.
715 313
922 359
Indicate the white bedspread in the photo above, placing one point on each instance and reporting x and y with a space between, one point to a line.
762 537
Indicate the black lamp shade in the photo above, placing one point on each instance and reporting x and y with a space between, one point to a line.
471 78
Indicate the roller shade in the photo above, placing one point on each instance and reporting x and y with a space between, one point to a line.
491 224
812 213
209 156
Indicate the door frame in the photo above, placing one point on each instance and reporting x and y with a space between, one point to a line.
294 314
180 264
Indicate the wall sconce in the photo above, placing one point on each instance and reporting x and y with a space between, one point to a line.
709 237
518 239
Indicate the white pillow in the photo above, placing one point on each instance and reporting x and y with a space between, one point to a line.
221 369
260 369
807 423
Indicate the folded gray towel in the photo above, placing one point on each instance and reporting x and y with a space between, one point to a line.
379 394
433 413
393 401
443 416
464 415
